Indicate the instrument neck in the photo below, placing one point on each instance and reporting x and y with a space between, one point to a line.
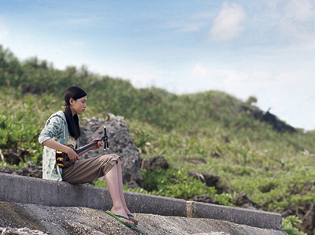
80 150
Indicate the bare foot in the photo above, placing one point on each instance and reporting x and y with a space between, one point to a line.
121 212
131 216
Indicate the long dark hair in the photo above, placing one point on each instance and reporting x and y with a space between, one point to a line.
73 121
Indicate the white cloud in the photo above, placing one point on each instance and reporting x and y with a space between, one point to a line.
235 77
228 23
200 72
271 3
297 20
276 101
300 10
297 84
208 78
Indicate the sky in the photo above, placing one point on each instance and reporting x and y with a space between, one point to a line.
264 49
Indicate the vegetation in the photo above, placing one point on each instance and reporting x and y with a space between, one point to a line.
291 225
247 154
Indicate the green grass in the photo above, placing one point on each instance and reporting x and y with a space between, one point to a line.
247 154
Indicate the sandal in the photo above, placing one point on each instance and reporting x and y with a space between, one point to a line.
118 218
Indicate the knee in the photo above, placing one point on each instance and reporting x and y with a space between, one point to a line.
115 157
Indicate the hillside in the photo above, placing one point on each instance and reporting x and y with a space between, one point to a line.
204 132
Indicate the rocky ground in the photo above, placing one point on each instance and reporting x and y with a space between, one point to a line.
17 218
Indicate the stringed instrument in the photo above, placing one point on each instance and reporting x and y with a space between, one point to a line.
63 160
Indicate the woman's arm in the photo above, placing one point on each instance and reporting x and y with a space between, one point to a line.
63 148
94 147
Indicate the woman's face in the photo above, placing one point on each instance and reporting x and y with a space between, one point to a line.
78 106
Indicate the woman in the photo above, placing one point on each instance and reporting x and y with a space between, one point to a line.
63 128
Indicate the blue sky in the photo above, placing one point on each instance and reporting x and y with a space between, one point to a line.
246 48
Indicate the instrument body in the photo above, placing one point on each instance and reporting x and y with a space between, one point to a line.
63 160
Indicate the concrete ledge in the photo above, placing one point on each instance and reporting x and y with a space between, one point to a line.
260 219
29 190
150 204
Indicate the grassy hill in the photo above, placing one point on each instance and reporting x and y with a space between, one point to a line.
247 154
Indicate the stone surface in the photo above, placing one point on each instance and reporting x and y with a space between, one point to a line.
21 231
120 143
82 220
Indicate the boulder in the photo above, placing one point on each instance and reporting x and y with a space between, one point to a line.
244 202
267 117
30 170
120 143
14 156
154 162
210 180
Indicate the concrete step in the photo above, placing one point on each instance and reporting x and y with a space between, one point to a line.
29 190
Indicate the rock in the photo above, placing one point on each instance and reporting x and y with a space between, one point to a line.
215 154
267 117
196 160
14 156
209 180
30 170
243 201
20 231
8 170
154 162
205 198
120 143
82 220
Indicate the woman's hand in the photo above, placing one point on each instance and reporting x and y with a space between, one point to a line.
63 148
98 145
73 156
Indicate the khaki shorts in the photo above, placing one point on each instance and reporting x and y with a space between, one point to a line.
88 170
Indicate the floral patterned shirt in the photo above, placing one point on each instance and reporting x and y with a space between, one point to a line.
57 129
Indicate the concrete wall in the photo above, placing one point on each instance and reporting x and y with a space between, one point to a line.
29 190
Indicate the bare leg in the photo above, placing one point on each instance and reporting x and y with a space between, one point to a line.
121 192
112 181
